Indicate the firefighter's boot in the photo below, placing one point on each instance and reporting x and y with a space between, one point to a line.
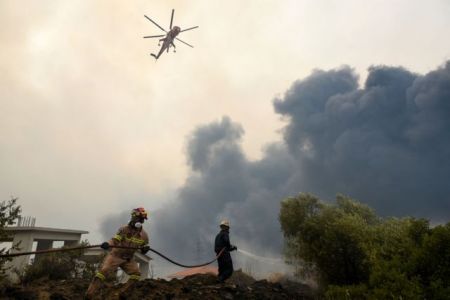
95 289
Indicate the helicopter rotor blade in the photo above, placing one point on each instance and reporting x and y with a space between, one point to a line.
171 18
189 28
155 23
184 42
153 36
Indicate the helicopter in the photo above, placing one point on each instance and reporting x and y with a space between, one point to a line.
169 37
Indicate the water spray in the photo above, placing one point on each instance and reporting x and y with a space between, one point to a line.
262 258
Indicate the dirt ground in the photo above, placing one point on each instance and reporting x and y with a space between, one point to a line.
201 286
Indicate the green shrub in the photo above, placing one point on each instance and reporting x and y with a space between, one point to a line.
358 255
349 292
333 239
60 265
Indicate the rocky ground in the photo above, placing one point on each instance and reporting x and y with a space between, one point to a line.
202 286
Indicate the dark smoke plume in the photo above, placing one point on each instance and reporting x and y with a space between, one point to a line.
386 144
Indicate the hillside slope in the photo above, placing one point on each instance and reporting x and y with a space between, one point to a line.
202 286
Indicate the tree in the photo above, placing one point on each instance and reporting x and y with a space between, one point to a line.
358 255
328 238
432 262
9 213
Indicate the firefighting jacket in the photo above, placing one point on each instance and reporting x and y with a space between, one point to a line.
128 236
222 241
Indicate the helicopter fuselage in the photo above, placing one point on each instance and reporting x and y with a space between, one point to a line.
168 40
169 37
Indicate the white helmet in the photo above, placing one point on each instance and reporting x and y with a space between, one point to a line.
225 223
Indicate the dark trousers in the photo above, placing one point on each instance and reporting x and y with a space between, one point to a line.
225 266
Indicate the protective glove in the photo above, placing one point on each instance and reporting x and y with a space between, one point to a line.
105 245
145 249
233 248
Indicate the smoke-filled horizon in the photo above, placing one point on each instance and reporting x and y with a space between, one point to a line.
386 144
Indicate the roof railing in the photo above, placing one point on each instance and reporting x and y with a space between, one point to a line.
27 221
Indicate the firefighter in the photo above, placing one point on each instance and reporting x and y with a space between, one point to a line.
131 235
223 241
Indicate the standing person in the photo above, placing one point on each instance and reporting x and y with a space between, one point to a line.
223 242
131 235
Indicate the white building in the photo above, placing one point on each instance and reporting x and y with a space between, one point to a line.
25 236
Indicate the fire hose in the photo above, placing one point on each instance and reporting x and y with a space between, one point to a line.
121 247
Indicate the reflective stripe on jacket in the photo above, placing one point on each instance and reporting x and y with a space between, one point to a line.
128 236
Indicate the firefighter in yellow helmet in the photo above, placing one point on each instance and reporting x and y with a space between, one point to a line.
131 235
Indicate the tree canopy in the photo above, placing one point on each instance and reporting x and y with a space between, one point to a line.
353 252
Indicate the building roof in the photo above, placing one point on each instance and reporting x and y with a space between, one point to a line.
43 229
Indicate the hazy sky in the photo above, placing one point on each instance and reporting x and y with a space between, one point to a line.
91 126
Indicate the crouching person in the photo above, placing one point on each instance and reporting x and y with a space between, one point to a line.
131 235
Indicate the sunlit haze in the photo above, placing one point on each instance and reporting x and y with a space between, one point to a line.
91 125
